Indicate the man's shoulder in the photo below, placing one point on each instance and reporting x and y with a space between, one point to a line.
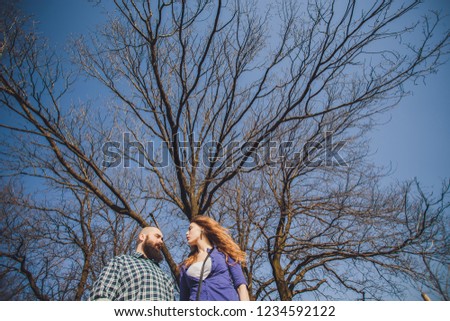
124 257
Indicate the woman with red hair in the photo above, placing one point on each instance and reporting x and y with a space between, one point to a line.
213 269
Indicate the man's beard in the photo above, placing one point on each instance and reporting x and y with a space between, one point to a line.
151 251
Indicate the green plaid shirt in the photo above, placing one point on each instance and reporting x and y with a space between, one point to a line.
133 278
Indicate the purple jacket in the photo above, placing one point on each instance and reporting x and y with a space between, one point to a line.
219 285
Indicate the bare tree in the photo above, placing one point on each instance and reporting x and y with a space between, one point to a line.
432 266
189 65
343 234
54 249
211 82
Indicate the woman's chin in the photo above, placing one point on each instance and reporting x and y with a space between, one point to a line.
190 243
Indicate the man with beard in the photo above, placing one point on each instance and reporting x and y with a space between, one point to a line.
137 276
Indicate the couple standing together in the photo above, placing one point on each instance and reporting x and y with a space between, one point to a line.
211 272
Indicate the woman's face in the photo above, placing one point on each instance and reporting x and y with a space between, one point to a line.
193 234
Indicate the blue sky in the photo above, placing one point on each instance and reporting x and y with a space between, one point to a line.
416 139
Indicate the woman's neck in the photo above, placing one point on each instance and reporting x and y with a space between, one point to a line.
203 246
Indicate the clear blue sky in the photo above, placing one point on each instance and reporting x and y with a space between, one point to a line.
417 139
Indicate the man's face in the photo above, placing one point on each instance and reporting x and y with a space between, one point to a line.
152 246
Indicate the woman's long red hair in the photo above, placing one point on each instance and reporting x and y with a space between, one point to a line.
219 237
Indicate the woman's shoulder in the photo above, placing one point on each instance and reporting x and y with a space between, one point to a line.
217 252
225 256
182 268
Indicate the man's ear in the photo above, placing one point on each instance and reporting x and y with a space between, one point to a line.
141 237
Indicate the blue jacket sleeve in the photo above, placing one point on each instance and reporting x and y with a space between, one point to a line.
237 275
184 287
